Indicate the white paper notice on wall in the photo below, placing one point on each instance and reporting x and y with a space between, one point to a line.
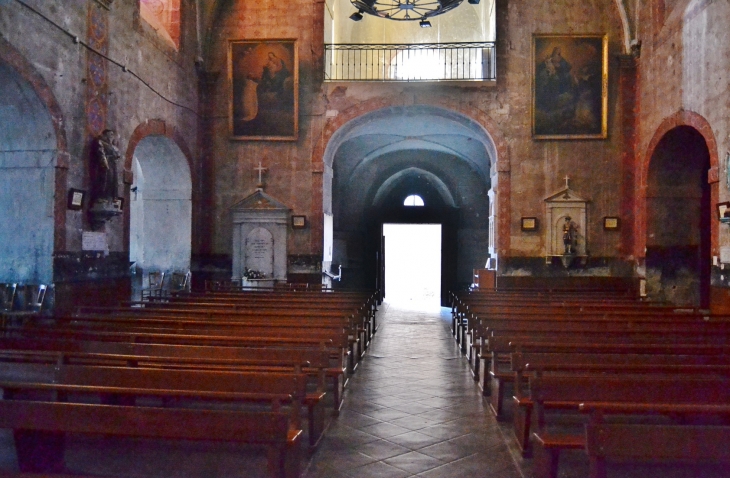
725 255
94 241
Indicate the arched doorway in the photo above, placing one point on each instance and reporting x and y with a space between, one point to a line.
379 159
28 155
678 209
160 207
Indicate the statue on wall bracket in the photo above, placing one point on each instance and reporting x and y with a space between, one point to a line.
105 200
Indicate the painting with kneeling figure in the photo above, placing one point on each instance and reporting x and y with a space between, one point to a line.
264 89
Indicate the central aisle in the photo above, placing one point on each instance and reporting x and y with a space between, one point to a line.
413 409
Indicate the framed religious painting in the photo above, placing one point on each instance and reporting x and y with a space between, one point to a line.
569 86
264 95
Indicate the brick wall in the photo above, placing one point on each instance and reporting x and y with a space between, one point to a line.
535 168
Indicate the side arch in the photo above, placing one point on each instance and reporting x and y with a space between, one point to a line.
703 127
156 127
13 58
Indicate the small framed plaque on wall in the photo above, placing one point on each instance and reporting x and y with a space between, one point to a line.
610 223
299 222
529 224
76 199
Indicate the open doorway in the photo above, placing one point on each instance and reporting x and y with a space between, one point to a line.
412 254
678 204
160 211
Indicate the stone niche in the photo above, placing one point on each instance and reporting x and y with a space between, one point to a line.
260 226
565 203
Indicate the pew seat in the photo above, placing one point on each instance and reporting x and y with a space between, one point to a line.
39 429
558 399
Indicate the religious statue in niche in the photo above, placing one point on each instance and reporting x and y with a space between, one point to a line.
569 235
105 157
565 235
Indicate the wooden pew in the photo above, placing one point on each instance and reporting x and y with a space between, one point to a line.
476 318
83 335
344 346
479 318
293 318
123 384
567 391
360 305
176 357
39 429
492 377
525 365
361 309
635 442
589 321
206 351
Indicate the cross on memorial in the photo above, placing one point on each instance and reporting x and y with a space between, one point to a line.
566 194
261 171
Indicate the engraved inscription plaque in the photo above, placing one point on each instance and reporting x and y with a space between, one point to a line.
259 251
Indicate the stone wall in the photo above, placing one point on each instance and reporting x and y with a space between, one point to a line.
681 79
685 59
150 81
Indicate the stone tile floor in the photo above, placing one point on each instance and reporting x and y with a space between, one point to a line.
413 409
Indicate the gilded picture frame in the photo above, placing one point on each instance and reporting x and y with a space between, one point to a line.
528 224
299 222
264 89
611 223
569 86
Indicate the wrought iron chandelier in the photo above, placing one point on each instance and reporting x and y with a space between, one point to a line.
404 10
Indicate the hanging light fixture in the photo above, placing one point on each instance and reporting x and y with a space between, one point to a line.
404 10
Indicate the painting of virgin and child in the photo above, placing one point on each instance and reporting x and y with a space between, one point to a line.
569 95
264 83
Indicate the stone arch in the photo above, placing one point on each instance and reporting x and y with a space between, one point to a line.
164 16
430 148
679 186
35 164
625 25
158 221
155 127
703 127
501 166
12 57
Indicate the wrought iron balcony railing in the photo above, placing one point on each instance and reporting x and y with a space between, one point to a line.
473 61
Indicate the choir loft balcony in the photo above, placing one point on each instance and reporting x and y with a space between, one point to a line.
423 62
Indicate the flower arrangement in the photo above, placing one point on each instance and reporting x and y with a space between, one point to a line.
253 274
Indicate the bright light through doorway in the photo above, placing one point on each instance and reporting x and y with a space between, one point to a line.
413 265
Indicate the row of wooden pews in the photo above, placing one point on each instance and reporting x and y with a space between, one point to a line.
620 378
249 367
